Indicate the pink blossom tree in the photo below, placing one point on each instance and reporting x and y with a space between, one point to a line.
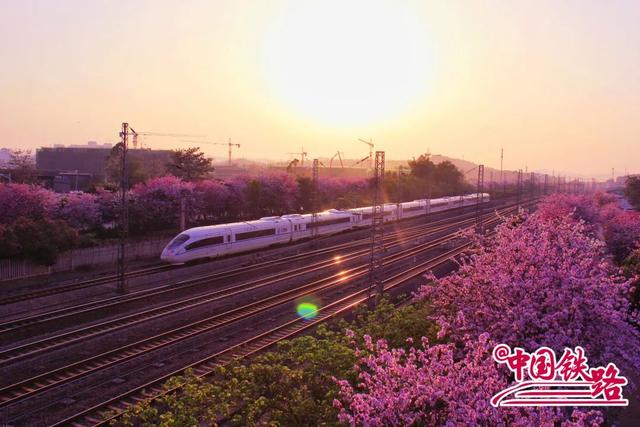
437 385
79 210
25 201
211 200
540 283
542 280
156 204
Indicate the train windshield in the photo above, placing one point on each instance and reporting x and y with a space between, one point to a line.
178 241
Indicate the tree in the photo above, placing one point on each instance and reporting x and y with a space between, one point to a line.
423 167
156 204
136 171
441 179
189 164
23 167
9 246
541 281
25 201
42 240
80 210
632 191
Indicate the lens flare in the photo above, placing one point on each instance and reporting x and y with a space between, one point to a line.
307 310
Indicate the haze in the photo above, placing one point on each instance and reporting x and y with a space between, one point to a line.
556 83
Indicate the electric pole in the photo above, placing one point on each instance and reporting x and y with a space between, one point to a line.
480 194
376 258
314 200
400 189
124 206
519 187
504 185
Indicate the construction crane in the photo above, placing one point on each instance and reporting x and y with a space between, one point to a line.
228 144
360 161
292 164
169 135
339 155
370 157
302 155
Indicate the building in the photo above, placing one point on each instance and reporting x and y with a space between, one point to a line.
5 156
92 159
66 159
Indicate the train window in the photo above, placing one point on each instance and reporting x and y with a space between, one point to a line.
205 242
255 234
178 241
228 238
329 222
413 208
369 215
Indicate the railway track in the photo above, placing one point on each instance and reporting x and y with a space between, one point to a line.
106 412
13 354
98 281
157 269
85 367
12 326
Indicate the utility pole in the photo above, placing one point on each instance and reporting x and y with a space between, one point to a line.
124 206
491 180
376 258
533 184
519 187
480 193
546 179
504 185
314 199
183 213
400 189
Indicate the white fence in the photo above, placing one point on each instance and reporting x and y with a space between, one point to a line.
11 269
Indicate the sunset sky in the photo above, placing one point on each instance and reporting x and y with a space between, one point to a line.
557 83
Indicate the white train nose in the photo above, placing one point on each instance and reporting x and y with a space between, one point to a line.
167 255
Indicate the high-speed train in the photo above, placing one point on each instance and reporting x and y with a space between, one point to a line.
223 239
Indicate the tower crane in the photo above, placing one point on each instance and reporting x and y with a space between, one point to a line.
169 135
339 155
370 157
361 160
302 155
228 143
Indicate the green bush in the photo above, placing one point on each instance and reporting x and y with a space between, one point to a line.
39 240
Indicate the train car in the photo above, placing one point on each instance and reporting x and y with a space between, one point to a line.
412 209
439 204
217 240
328 222
364 216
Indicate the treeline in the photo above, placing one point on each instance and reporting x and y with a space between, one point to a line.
632 191
29 212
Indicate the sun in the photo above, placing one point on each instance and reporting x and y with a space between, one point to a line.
347 63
